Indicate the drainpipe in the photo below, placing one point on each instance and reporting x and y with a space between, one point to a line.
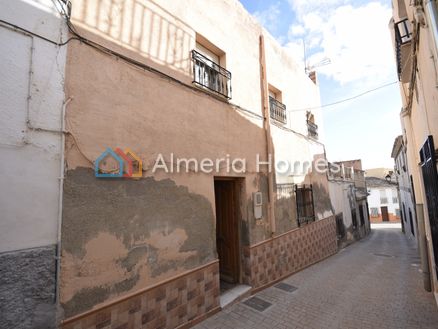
432 13
61 191
267 126
422 243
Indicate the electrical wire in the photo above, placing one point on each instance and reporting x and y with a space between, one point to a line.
346 99
131 61
19 28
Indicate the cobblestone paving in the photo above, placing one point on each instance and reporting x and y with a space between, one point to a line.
374 283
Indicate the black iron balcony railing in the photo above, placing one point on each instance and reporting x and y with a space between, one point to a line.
312 129
399 60
403 36
210 75
277 110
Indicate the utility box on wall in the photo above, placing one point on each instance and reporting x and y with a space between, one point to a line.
258 202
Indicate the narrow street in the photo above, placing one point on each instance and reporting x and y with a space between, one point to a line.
374 283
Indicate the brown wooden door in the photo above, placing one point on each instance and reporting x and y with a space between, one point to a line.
226 229
385 216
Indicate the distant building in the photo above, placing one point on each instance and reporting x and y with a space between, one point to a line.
382 200
348 192
404 187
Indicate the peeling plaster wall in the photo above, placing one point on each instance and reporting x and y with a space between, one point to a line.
133 234
153 228
302 154
285 213
156 227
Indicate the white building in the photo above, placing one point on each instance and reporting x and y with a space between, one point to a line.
383 200
348 195
31 107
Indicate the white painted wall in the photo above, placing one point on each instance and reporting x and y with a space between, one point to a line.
31 95
374 198
298 91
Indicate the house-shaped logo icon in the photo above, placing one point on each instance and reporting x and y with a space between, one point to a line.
116 163
136 163
127 162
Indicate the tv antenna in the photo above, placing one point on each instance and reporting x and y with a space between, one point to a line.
309 68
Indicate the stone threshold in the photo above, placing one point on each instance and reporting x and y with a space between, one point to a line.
234 295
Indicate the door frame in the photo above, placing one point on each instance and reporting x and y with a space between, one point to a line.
238 186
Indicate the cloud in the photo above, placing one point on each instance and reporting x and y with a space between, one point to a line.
302 7
355 38
296 30
269 17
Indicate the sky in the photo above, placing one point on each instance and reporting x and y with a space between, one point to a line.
354 36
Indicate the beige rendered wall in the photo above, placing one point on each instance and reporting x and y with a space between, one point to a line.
291 143
423 119
162 34
120 236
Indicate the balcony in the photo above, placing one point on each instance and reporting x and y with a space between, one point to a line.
312 129
207 74
403 38
278 110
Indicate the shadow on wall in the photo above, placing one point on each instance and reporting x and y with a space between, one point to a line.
141 26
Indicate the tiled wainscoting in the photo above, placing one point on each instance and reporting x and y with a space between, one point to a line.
290 252
181 300
188 298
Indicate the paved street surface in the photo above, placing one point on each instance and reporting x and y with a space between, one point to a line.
374 283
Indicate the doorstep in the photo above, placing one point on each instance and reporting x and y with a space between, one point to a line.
234 294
